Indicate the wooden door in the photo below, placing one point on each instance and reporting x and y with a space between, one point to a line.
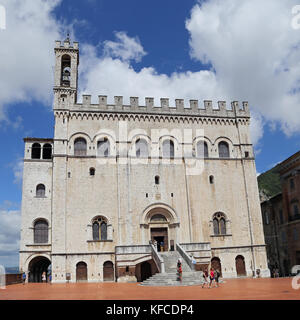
161 233
240 266
108 271
81 271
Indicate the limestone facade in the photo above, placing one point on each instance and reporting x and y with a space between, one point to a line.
135 194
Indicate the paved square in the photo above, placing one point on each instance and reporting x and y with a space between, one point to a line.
231 289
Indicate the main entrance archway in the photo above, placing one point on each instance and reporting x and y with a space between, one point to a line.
160 224
36 267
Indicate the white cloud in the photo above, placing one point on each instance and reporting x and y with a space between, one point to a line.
9 236
125 47
254 52
26 52
18 171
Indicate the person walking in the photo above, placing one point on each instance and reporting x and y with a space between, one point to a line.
50 278
179 270
216 277
211 277
44 277
24 277
155 244
205 278
162 246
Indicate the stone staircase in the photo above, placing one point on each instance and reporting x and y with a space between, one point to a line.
169 278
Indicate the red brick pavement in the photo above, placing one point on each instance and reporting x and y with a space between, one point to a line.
231 289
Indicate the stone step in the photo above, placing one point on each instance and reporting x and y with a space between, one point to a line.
171 279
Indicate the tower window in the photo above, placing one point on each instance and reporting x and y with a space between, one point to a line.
40 191
211 179
246 154
36 151
92 171
40 231
156 179
47 151
65 70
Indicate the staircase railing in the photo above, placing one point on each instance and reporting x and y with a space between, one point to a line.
185 256
157 259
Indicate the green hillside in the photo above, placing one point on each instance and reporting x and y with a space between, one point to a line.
269 182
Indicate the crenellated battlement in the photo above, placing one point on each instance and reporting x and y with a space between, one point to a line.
67 44
165 107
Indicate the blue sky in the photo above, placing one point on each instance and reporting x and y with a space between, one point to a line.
172 46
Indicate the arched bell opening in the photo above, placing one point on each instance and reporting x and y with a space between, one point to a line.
66 70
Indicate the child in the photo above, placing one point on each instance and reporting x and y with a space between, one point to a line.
205 276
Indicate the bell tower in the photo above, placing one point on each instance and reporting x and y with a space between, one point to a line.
66 73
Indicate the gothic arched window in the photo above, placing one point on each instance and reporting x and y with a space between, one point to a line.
223 149
47 151
141 148
99 229
40 191
36 151
80 147
168 149
202 149
103 148
219 223
40 231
